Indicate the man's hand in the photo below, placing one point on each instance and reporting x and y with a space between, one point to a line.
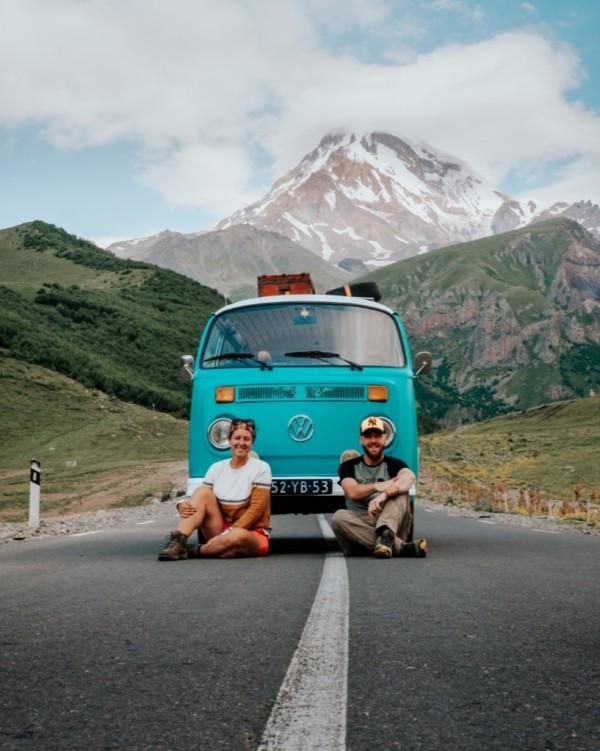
376 505
185 508
381 485
388 487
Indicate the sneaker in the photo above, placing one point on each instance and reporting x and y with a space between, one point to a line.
175 549
384 545
415 549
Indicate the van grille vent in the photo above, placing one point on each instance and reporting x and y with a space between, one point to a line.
336 393
266 393
331 393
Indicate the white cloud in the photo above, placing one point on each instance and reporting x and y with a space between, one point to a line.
213 176
575 181
209 91
528 8
497 104
468 9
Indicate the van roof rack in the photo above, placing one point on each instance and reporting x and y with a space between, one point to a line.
285 284
302 284
369 290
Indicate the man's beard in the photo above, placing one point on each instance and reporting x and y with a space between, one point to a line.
374 454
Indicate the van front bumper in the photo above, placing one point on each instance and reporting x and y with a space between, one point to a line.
285 487
297 495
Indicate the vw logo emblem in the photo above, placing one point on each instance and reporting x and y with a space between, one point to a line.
301 428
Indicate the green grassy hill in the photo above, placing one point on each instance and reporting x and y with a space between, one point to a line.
550 448
512 320
89 444
115 325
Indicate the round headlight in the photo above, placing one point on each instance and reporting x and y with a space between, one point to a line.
390 430
218 433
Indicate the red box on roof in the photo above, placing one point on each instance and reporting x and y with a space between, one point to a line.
285 284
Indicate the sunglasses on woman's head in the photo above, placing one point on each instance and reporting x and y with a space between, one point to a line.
250 424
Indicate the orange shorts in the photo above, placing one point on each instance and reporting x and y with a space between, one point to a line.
263 548
263 539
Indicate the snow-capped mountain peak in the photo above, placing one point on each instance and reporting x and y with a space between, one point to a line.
375 198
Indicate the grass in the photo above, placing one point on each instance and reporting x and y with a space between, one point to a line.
95 450
548 453
504 303
111 324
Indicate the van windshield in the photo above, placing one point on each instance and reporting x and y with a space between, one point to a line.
303 335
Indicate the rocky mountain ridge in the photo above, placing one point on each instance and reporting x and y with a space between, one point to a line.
358 202
513 320
230 259
377 198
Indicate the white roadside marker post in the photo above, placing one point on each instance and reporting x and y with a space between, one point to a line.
35 478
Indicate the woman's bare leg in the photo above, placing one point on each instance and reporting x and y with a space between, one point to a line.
235 542
206 514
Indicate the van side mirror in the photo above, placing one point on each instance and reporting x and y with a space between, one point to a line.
423 363
187 367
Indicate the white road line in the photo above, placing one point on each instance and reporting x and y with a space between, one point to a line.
429 510
139 524
326 530
310 709
546 531
485 521
83 534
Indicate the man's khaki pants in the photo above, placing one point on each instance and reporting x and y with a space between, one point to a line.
356 533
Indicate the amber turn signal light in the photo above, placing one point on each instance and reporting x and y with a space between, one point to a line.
378 394
224 394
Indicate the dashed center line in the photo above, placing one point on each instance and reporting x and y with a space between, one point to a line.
310 709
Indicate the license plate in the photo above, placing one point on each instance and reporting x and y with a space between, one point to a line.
301 487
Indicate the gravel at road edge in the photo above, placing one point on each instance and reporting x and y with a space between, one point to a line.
87 522
121 517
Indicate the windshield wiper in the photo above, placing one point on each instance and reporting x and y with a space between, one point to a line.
238 356
316 354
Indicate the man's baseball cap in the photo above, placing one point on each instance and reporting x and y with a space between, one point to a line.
372 423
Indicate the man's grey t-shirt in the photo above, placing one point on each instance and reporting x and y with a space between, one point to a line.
363 473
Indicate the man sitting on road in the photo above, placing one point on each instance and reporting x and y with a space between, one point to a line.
377 518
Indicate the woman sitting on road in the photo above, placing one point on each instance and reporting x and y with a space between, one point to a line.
232 506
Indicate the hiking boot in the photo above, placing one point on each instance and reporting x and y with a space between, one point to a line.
415 549
175 549
384 545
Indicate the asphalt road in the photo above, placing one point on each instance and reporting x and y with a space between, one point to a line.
491 642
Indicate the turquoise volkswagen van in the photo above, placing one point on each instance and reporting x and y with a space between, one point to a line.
307 368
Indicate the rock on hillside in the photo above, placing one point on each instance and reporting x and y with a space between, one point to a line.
513 320
230 259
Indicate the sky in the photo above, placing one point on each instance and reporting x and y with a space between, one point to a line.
122 118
